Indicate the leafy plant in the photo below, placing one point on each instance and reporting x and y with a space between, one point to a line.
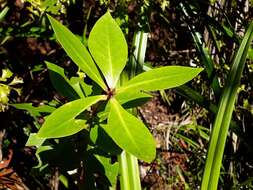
51 6
106 108
6 86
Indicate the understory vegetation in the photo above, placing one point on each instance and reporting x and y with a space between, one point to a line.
130 95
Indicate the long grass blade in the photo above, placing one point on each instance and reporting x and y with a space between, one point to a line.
138 57
224 115
204 54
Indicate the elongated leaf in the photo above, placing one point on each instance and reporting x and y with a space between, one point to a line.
203 52
108 47
189 93
76 51
3 13
160 78
224 115
34 110
62 121
60 82
207 62
129 133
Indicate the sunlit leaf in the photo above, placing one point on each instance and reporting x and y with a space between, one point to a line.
34 140
160 78
34 110
16 80
62 121
76 51
124 98
81 87
3 13
4 93
108 47
130 133
6 73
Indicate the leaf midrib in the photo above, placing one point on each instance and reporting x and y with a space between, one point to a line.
140 83
123 124
73 118
110 58
88 67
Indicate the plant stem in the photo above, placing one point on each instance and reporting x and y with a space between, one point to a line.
129 172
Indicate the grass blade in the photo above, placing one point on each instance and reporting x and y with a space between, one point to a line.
204 54
138 57
224 115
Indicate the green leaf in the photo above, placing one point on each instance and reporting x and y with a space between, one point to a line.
81 87
129 169
207 62
250 54
40 150
34 140
108 47
224 115
64 180
76 51
110 170
60 82
76 84
103 141
133 97
130 133
52 6
160 78
34 110
62 121
3 13
6 74
4 93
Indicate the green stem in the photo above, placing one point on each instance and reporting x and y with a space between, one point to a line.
124 174
129 172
